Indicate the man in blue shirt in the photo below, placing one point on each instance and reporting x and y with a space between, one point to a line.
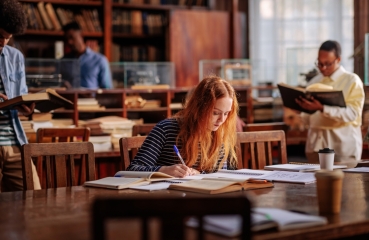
12 84
95 70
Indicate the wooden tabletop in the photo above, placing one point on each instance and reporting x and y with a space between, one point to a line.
64 213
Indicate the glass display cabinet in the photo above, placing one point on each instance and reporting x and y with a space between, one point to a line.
52 73
143 75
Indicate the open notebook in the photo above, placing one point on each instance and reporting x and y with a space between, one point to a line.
299 167
261 219
277 176
126 179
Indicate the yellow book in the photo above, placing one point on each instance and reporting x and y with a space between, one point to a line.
216 186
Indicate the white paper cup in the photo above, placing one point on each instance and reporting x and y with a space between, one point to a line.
326 158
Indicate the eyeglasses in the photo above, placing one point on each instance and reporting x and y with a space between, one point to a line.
327 65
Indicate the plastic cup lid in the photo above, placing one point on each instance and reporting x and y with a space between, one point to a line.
326 150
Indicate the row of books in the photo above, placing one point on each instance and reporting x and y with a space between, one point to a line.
136 53
164 2
44 17
137 22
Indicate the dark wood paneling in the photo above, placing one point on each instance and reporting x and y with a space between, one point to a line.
196 35
361 26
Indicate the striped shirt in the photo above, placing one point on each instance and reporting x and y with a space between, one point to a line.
157 150
7 134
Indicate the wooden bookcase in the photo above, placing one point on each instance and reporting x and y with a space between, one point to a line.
186 34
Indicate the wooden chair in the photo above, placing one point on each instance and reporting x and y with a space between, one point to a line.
253 127
128 149
46 135
256 147
62 134
142 129
59 162
170 212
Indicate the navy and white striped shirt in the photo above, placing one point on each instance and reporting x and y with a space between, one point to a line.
157 149
7 134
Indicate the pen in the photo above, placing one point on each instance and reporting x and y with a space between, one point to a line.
256 181
178 154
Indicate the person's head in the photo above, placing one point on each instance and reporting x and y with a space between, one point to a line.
329 57
12 20
209 117
74 38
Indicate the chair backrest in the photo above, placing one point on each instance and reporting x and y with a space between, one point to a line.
171 213
142 129
47 135
255 148
253 127
59 162
129 147
62 134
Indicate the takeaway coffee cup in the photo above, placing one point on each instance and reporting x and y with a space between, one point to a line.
329 190
326 158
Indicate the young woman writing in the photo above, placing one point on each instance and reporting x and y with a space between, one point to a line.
204 133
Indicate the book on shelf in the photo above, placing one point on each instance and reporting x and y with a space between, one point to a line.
39 117
261 219
299 167
45 100
275 176
324 96
45 18
216 186
52 16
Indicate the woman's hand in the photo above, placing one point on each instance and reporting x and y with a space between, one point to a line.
26 110
177 170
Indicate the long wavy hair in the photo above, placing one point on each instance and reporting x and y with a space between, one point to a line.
194 122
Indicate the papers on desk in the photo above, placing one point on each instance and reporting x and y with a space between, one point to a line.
357 170
261 219
277 176
299 167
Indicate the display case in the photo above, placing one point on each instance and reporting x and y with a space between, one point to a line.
46 73
240 72
300 66
143 75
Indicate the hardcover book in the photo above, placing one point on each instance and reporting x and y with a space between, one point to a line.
46 101
216 186
326 97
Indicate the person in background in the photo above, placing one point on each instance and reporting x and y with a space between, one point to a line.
338 128
95 70
12 84
204 132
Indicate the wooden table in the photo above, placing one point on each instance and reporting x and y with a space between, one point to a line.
64 213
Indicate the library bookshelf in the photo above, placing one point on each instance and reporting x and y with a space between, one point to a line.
138 30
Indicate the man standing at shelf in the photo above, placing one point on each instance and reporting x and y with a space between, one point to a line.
338 128
12 84
95 70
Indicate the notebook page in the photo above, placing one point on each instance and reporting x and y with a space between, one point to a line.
162 185
291 177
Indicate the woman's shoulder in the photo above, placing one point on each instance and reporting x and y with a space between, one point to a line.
169 122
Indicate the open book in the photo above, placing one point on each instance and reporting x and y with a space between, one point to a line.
126 179
45 100
277 176
299 167
216 186
261 219
325 97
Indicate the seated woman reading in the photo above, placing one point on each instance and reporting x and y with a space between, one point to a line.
204 133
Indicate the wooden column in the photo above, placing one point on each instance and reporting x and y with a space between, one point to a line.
361 26
107 28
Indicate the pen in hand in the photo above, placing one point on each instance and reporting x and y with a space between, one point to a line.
178 154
